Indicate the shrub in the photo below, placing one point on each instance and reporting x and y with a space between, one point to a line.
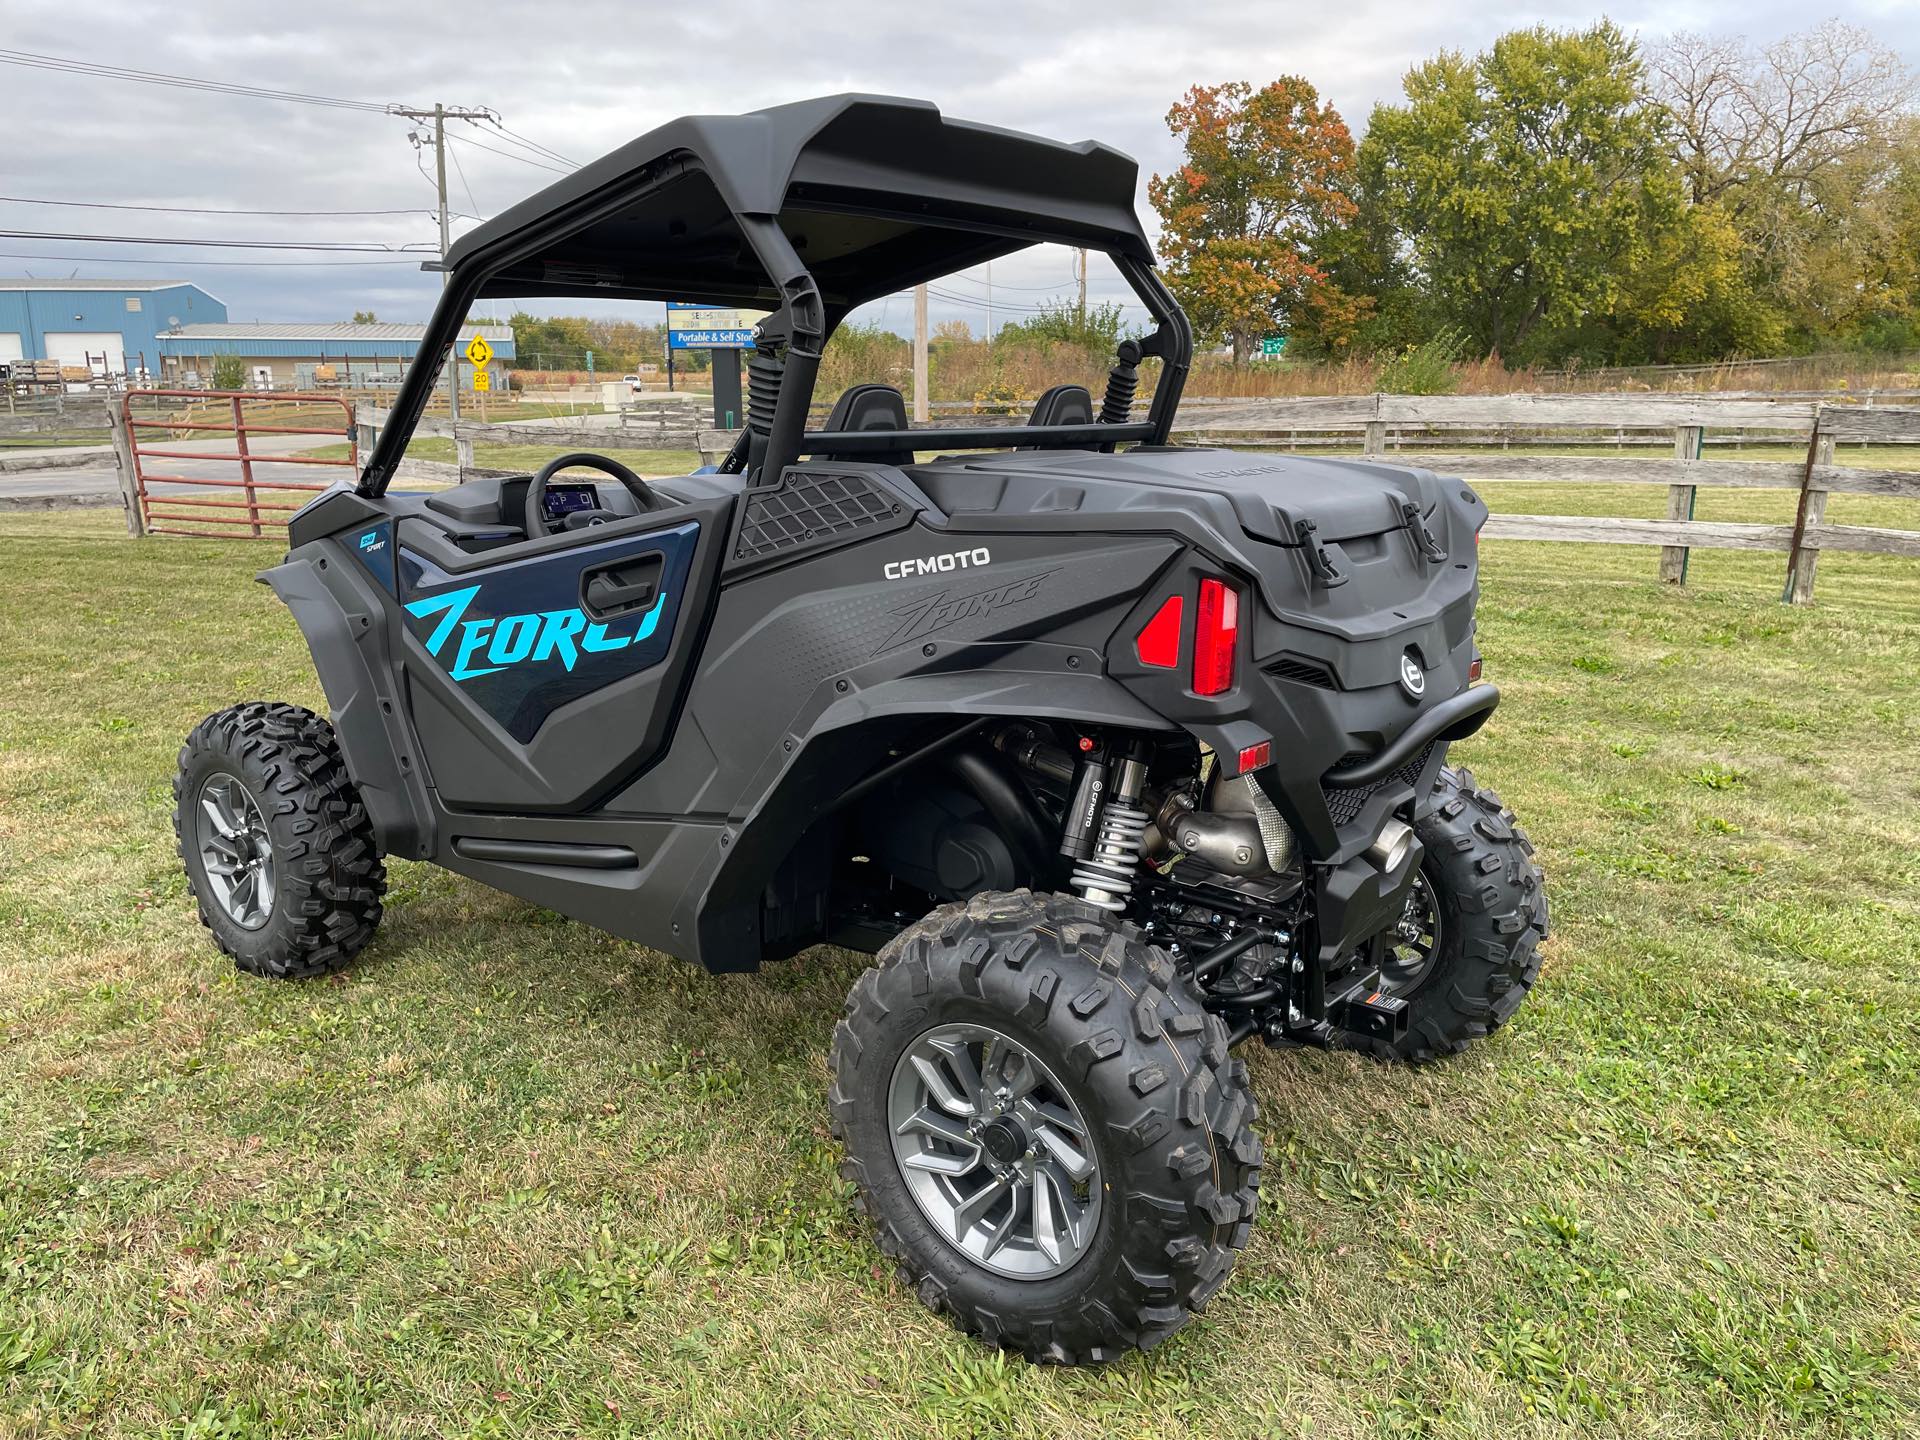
1425 368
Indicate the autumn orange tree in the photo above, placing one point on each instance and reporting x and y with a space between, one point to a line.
1266 177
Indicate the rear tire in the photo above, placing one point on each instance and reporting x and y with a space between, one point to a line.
278 849
1491 907
1123 1044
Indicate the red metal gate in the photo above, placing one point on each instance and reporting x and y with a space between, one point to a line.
176 416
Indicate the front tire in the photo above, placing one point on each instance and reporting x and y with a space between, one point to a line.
278 849
1468 949
1131 1127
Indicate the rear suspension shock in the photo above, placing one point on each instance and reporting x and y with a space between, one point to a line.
1105 876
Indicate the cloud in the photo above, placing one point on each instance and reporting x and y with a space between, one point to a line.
583 77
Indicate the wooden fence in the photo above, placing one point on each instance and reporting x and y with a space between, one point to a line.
1384 423
1417 429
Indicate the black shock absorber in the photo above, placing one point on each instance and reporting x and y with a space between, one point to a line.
1104 876
1116 406
764 372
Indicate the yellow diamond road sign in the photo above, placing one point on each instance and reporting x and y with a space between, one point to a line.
479 351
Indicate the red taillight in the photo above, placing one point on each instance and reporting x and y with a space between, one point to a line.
1158 642
1216 635
1255 756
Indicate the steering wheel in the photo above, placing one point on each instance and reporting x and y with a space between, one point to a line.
539 524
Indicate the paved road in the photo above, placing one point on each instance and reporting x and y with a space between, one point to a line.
97 482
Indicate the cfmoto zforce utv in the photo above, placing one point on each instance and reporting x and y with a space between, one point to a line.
1116 753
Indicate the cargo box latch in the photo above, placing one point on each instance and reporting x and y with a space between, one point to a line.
1417 527
1319 559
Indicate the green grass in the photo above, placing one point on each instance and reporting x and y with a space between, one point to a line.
55 441
511 1177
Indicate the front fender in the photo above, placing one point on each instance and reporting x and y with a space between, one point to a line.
341 614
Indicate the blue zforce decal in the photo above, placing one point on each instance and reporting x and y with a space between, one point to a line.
516 639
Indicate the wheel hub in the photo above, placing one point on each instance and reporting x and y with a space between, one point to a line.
994 1151
1005 1139
236 852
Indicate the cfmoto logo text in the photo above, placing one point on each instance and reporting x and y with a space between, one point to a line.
1413 679
938 564
511 639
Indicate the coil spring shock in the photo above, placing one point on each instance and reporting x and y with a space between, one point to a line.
1116 406
1105 877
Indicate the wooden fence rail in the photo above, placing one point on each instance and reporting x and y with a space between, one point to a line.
1380 422
1572 420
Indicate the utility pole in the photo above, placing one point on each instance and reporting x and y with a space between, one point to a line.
920 396
989 302
1082 268
440 114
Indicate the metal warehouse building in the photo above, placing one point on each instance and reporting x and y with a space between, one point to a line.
106 327
301 357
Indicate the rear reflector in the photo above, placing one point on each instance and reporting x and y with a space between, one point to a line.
1473 671
1216 635
1256 756
1158 642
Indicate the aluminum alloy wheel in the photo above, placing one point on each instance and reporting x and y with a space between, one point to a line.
994 1151
1414 941
235 851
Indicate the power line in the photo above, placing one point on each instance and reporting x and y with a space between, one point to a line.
534 145
508 155
169 262
330 245
958 275
205 209
27 59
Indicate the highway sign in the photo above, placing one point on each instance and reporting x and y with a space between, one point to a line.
1272 346
479 352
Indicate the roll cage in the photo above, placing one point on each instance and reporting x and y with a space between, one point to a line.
808 211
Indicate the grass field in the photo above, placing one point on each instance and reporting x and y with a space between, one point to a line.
511 1177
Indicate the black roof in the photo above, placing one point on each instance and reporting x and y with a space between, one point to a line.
874 193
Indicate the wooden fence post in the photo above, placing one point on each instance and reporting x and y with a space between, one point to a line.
1376 443
123 462
1803 557
1687 443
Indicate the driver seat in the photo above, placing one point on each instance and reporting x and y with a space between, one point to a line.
870 407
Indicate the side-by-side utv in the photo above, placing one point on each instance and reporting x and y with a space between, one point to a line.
1116 753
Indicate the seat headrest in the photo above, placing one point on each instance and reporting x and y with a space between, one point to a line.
869 407
1063 405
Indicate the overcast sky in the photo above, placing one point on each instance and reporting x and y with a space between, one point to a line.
583 76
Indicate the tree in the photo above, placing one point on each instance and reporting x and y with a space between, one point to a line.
1264 183
1528 183
1746 121
229 372
365 317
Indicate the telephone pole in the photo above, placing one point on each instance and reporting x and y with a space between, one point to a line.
1082 268
920 396
439 115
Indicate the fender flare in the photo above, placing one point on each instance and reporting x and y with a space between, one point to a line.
343 619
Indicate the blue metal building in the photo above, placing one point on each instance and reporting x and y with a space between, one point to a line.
107 326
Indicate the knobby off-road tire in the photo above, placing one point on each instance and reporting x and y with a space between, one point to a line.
1168 1116
319 869
1492 910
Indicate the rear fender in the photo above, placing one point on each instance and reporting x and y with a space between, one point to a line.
847 741
341 613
